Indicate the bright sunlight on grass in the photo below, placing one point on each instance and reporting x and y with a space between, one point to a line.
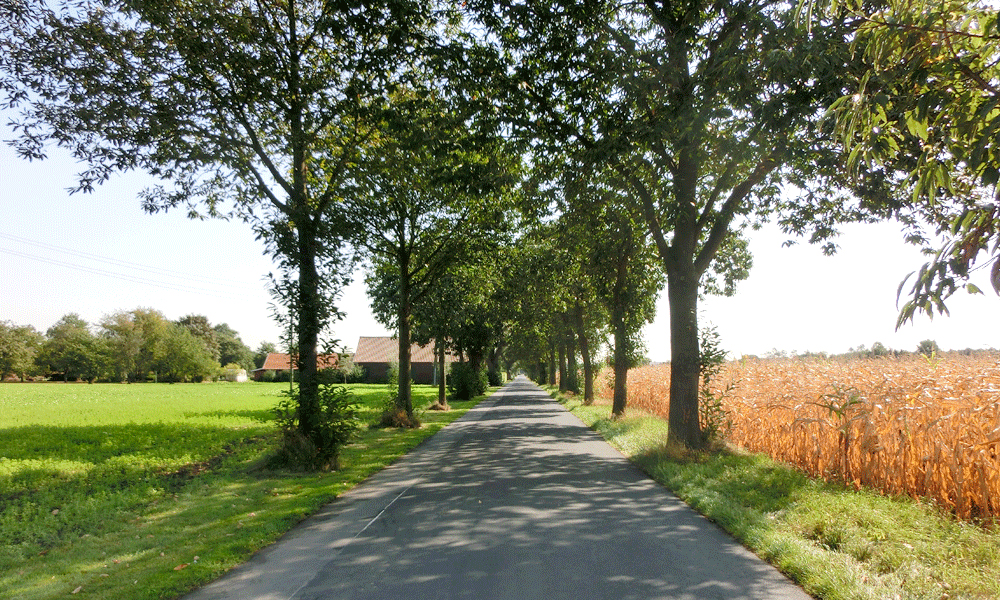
147 491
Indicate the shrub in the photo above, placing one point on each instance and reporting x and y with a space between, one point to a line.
393 415
465 382
355 374
329 376
338 423
714 418
928 348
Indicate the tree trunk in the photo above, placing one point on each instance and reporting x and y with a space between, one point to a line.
404 399
442 387
493 362
308 313
679 256
588 368
562 365
551 371
621 366
309 305
572 371
622 350
684 428
476 359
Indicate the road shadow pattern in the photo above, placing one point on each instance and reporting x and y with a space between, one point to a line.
529 503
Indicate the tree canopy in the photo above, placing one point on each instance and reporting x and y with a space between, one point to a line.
658 132
706 115
925 112
430 184
242 108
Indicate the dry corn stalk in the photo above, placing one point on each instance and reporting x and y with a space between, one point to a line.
924 428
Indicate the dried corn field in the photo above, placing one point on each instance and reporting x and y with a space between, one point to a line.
909 425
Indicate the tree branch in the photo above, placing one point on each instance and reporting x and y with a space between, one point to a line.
720 228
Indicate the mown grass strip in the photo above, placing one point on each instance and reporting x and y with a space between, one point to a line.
836 542
155 490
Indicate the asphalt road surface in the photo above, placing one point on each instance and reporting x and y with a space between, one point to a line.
517 499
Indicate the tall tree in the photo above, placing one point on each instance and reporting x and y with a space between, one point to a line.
72 349
429 188
263 350
620 263
18 346
202 329
135 341
701 110
582 316
254 108
232 349
184 356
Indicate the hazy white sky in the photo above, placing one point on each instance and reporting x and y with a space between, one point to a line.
94 254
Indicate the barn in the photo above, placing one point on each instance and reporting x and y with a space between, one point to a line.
282 363
375 354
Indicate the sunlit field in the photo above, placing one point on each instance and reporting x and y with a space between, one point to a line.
917 426
148 490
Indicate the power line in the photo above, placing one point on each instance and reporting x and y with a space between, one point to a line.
177 287
239 285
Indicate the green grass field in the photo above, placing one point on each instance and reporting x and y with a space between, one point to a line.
149 490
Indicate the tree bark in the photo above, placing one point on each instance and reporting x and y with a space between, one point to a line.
572 375
404 399
621 370
442 384
588 368
684 427
551 371
308 310
621 355
493 361
562 364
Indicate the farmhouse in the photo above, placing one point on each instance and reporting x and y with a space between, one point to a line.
374 354
282 363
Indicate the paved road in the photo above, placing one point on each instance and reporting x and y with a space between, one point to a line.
518 499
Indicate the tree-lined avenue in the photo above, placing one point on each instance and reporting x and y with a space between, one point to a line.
518 499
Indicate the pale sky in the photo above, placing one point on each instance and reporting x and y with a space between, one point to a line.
94 254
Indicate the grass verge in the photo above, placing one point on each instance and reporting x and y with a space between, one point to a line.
837 543
149 491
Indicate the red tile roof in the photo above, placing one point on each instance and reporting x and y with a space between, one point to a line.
282 362
386 350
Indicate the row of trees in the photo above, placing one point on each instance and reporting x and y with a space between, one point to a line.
633 144
125 346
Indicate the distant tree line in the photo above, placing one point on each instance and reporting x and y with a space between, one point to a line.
126 346
927 348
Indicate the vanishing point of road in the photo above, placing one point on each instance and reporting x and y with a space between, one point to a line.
516 500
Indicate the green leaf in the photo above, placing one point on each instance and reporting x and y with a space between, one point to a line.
917 127
995 276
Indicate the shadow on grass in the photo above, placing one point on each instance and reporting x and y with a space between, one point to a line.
262 416
95 444
63 465
744 494
157 494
